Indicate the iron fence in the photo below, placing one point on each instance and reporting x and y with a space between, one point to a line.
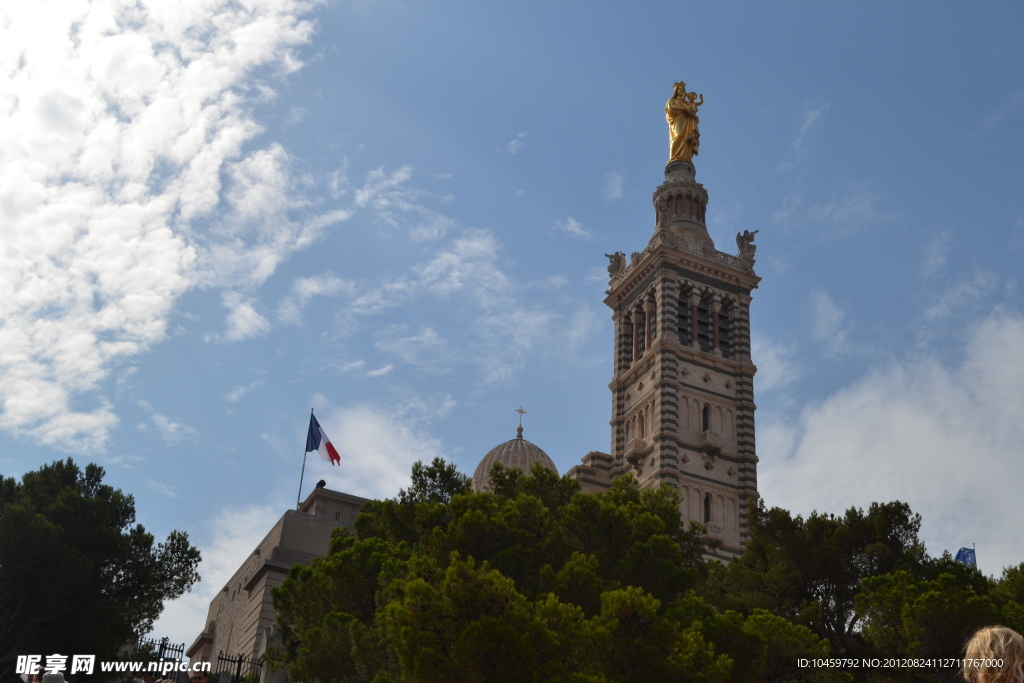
241 669
162 649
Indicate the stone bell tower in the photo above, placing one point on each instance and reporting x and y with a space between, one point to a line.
683 382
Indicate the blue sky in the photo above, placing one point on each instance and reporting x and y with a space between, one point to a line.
216 216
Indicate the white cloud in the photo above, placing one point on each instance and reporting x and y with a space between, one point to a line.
943 438
129 177
1006 111
470 262
381 371
958 295
415 349
515 144
583 326
236 394
395 204
549 282
933 258
338 179
378 446
507 338
829 324
854 208
572 227
467 264
243 322
613 182
304 289
296 115
776 367
173 433
162 488
353 365
379 186
431 226
233 535
811 116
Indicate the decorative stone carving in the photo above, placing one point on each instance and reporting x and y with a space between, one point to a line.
745 243
617 264
638 446
709 442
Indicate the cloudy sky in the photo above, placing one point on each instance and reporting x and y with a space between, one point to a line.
215 216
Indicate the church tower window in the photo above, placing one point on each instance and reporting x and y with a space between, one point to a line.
651 318
707 508
627 338
724 341
639 332
703 325
683 321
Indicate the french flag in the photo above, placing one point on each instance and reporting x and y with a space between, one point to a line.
317 440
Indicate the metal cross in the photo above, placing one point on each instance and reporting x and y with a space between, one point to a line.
521 413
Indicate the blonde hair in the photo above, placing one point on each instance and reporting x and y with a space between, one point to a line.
995 654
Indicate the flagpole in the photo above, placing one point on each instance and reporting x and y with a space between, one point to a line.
298 498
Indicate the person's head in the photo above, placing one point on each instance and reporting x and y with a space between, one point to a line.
148 677
995 654
199 677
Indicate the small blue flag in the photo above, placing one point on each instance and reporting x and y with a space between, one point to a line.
965 556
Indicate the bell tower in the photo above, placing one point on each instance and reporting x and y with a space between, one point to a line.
683 382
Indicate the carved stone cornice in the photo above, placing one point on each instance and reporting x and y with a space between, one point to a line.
657 256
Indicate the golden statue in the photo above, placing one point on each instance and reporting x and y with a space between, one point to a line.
681 114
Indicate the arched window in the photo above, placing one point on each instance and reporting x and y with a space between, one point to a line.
704 325
640 334
707 508
627 337
705 418
651 308
683 319
724 340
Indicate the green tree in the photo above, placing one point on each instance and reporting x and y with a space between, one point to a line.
633 640
77 574
327 611
435 483
536 581
809 571
786 643
1011 585
916 617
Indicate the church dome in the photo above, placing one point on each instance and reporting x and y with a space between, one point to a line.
515 453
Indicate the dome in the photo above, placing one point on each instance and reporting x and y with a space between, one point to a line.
515 453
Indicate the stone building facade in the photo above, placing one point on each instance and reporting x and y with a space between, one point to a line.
683 381
242 618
